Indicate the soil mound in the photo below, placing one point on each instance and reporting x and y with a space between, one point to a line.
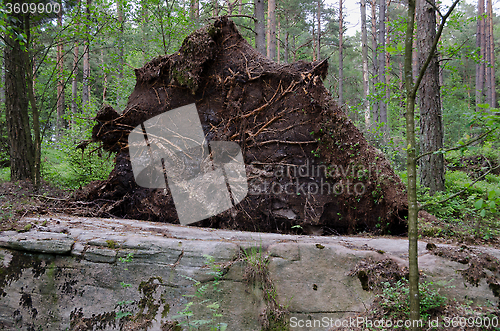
306 162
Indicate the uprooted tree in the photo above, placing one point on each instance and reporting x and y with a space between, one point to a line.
306 162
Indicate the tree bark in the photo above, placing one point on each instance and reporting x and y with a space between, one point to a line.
119 5
387 63
411 90
341 55
364 51
2 79
278 42
194 9
215 10
318 55
491 67
431 167
375 111
61 123
480 67
271 29
21 149
381 66
86 59
260 37
488 58
411 169
74 81
105 78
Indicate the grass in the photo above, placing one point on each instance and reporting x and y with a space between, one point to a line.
70 168
4 174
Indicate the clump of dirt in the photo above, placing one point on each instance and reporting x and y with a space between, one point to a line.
373 273
477 263
306 162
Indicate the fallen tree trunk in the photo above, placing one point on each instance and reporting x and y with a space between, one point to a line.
306 162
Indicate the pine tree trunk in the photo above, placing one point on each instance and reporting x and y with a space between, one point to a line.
287 54
341 55
375 111
488 58
314 40
215 10
271 29
74 81
86 59
21 149
144 27
194 9
492 80
381 65
121 46
318 55
105 78
260 37
60 81
431 167
278 42
480 68
387 63
364 51
74 73
2 78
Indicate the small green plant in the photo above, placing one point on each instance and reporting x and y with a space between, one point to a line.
490 204
121 304
201 303
395 299
111 244
126 259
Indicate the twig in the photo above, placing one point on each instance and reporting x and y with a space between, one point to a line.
235 15
285 142
264 105
458 147
48 198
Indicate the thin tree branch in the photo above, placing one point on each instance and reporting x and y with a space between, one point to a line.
435 7
457 147
235 15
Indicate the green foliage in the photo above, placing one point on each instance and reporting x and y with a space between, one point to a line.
65 165
4 174
395 300
203 310
491 204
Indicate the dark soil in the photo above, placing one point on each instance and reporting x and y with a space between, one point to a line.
280 115
372 274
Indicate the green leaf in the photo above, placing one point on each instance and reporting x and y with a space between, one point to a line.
483 213
479 204
492 204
